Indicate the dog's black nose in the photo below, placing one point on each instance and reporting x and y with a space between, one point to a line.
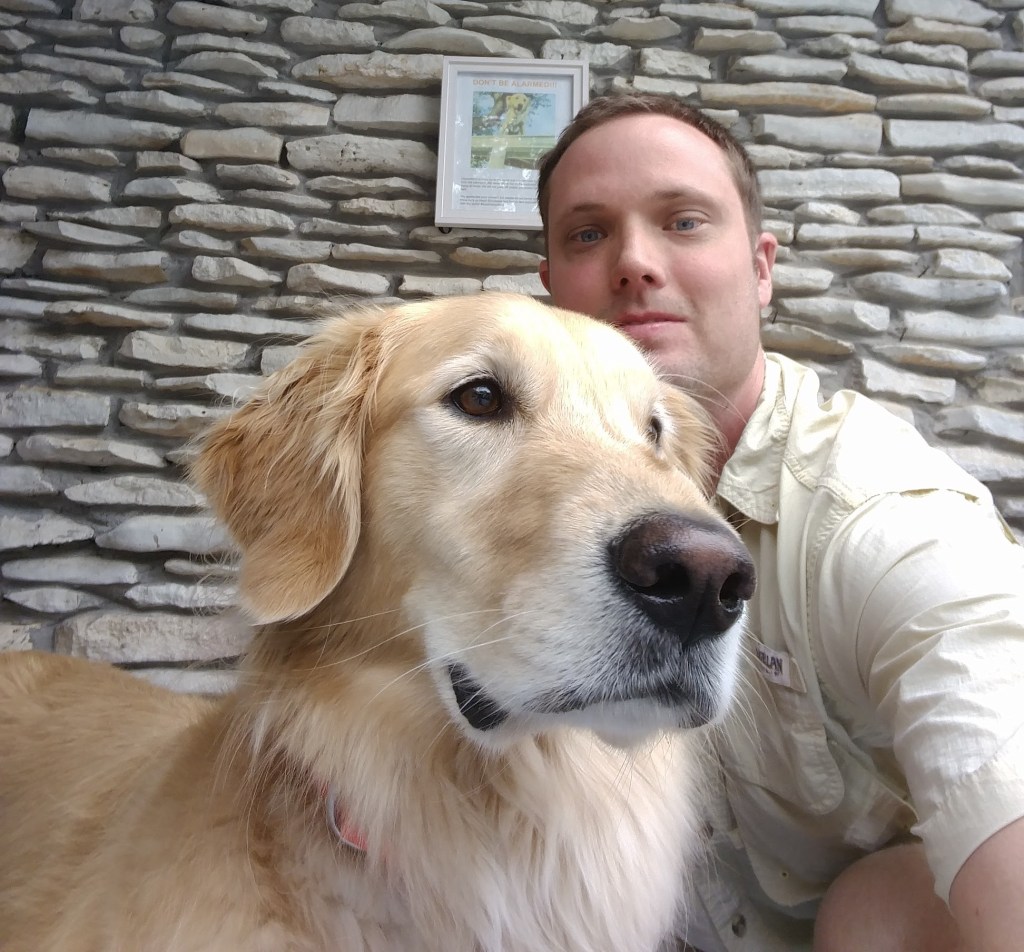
688 575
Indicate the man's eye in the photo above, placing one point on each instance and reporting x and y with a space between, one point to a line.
684 224
588 235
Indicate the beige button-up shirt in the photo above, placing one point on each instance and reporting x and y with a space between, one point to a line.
882 687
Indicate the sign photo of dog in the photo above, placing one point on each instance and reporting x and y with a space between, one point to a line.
512 129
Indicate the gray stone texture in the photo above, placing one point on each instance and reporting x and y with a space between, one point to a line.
200 535
38 182
254 145
143 267
176 351
205 16
135 637
19 530
188 186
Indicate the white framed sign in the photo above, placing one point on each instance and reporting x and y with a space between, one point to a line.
498 117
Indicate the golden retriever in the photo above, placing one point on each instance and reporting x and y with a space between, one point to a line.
488 591
513 118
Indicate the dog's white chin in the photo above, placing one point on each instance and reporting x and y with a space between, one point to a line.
631 723
625 725
626 739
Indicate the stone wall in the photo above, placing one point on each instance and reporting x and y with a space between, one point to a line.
185 183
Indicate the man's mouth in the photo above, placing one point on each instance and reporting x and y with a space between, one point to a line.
629 321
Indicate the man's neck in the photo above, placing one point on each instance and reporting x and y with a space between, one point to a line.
731 417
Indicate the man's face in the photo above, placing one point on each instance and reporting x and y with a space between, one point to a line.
647 231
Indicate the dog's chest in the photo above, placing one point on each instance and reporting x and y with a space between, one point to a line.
345 932
339 904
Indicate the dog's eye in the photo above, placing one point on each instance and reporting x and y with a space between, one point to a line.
654 430
479 398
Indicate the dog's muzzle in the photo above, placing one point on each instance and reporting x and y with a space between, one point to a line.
690 577
686 581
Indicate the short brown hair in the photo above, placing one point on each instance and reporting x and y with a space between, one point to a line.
606 108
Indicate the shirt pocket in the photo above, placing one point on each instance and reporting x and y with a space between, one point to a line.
774 738
805 804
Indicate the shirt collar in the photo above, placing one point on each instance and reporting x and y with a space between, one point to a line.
750 479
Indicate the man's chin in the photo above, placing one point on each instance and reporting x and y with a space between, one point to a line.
659 340
666 360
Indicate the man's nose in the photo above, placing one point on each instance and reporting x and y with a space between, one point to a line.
638 263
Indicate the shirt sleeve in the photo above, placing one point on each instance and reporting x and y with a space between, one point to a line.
920 638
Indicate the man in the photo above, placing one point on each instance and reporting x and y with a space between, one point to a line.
872 768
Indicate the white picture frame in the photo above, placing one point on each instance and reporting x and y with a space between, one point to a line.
498 117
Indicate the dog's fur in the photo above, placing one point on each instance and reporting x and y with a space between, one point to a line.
394 542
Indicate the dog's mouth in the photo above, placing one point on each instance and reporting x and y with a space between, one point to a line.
690 699
475 704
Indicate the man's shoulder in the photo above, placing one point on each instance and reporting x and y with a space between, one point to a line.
853 446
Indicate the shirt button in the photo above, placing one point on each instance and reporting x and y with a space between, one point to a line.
739 927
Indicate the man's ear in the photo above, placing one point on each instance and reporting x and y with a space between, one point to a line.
544 270
764 260
284 471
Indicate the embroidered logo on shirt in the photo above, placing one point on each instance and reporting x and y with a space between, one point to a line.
778 667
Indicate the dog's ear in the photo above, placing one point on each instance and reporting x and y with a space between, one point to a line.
692 441
284 471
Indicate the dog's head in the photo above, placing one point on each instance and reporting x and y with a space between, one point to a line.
516 482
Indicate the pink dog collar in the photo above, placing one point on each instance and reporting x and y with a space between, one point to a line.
338 823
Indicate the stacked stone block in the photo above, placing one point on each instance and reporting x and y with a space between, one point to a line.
187 185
